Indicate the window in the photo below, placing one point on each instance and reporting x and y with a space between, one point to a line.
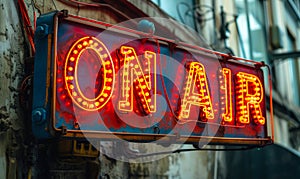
250 23
297 3
288 69
295 8
178 9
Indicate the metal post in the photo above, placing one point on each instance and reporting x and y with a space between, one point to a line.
249 30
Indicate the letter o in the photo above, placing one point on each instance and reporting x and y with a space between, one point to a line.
71 73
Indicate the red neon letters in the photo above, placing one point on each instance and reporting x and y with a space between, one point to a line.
137 78
196 92
249 95
107 74
134 75
227 98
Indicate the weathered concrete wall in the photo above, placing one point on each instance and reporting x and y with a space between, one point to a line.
12 55
198 164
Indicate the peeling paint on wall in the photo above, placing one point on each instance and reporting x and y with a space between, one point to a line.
12 51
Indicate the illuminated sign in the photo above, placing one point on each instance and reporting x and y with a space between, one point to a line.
95 80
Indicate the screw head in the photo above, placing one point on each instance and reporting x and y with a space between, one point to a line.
41 30
39 115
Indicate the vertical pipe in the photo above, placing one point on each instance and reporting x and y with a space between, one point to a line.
248 28
266 27
223 28
216 163
214 23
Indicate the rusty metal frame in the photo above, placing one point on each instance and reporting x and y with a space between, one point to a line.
166 138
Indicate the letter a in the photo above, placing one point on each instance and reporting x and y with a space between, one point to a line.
196 92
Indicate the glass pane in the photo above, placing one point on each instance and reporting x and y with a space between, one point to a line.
243 29
286 75
293 94
157 2
251 20
181 10
256 18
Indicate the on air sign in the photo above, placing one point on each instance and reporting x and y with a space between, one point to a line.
96 80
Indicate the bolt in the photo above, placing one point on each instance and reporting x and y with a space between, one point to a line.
146 26
156 130
41 30
39 115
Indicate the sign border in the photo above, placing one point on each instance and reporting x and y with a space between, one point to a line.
138 137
